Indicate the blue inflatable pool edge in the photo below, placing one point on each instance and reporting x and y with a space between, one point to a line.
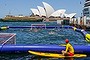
49 48
44 48
84 33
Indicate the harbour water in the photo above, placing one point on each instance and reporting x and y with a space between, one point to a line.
40 36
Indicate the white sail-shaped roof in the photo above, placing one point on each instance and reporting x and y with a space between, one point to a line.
35 12
58 13
49 9
70 15
42 11
66 15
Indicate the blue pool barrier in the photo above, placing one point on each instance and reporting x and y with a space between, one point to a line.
7 27
84 33
44 48
42 27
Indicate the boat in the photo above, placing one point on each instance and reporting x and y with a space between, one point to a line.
56 55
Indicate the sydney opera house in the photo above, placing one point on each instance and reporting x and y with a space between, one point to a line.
48 11
45 13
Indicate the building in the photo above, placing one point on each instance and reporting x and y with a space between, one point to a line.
48 11
86 10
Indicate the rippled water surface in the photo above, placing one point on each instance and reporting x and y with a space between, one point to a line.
40 36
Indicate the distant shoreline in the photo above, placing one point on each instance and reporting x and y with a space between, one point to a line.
38 20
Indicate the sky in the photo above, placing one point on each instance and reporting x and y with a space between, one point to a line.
16 7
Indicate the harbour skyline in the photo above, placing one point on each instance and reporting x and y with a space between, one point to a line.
16 7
